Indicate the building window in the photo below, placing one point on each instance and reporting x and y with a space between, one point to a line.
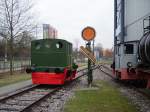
129 48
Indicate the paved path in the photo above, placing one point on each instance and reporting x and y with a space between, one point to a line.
13 87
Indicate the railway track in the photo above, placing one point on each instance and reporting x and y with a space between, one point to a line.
107 71
24 100
103 69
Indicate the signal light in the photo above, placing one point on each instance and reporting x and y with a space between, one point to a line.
88 33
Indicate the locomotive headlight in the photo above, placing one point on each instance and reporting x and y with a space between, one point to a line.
129 64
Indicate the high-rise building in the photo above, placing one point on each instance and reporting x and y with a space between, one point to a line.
49 31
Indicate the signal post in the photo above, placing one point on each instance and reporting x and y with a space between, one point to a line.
88 34
90 76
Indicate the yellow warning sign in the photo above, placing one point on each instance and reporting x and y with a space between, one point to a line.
88 54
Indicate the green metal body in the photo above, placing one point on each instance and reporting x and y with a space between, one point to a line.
90 76
51 53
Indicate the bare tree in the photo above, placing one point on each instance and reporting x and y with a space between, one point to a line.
108 53
14 19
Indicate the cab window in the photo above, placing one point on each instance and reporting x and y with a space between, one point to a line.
59 45
37 45
129 48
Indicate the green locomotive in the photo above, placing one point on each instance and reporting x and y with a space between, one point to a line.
51 61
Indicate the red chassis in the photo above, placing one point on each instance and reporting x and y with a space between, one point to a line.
52 78
132 74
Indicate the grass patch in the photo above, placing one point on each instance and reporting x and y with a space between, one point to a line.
106 99
7 79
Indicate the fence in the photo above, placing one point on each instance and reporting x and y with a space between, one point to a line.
18 64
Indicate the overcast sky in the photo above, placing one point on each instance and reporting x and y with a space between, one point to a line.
69 17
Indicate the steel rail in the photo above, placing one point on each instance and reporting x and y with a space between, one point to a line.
52 92
35 102
132 86
28 108
100 67
25 89
31 103
22 91
85 73
144 93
